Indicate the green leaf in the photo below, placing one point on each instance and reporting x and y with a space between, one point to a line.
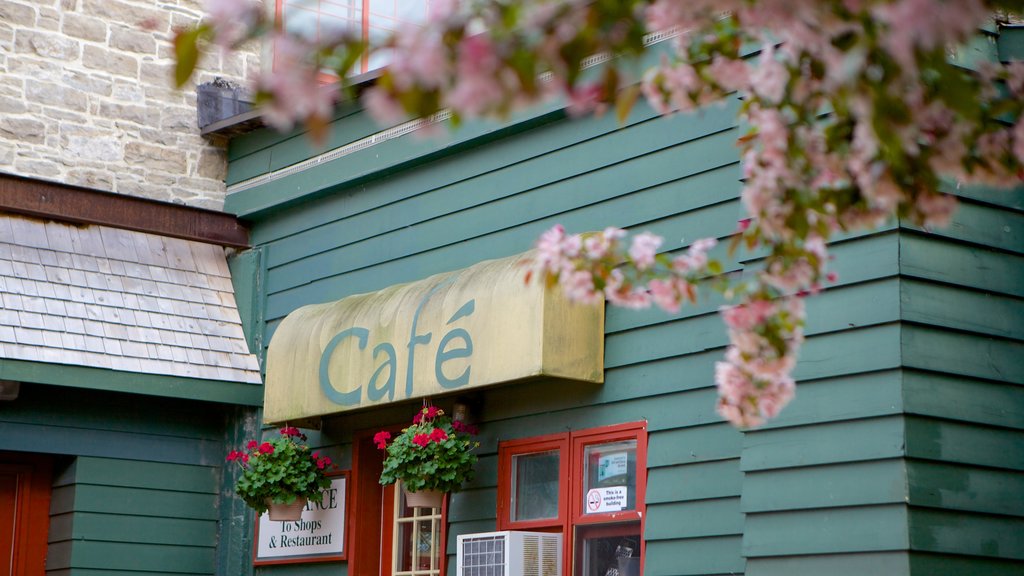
625 101
186 52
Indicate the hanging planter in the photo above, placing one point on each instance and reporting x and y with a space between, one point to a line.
281 474
434 454
424 498
282 512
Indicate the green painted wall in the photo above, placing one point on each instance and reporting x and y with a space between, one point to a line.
906 429
137 483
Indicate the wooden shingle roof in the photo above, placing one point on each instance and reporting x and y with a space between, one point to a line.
131 301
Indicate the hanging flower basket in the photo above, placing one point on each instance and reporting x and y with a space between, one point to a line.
424 498
281 512
434 454
281 472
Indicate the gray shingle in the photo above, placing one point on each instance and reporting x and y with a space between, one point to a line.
118 299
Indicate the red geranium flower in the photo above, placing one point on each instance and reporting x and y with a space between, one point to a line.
234 455
252 445
381 439
438 435
431 411
421 439
290 431
266 448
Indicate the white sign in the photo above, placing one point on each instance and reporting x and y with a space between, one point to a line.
318 535
607 499
611 465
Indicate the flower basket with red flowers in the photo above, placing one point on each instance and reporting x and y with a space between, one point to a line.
435 453
281 471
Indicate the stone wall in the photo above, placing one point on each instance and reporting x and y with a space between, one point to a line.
87 98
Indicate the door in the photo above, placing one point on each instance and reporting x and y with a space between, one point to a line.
24 512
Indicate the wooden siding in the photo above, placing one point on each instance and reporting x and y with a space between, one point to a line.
963 341
139 485
675 177
911 363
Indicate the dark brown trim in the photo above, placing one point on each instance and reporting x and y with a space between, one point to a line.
55 201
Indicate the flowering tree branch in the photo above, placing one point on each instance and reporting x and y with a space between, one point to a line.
856 111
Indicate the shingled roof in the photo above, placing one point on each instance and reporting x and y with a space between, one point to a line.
104 297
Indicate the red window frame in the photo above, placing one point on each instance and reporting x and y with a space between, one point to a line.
364 26
572 522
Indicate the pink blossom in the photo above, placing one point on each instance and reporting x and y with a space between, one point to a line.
626 295
597 246
936 208
555 250
769 77
665 295
441 10
294 87
746 316
477 88
1018 139
644 248
382 106
579 287
730 74
232 19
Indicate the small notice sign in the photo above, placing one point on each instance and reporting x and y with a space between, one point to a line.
318 536
607 499
612 465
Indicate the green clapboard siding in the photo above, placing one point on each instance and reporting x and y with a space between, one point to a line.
909 400
116 516
137 481
860 564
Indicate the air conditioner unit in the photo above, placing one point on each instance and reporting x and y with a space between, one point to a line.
510 553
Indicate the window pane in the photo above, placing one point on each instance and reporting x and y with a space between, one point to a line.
609 477
611 555
535 486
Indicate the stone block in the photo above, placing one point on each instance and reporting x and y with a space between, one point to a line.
213 163
114 62
88 82
54 46
98 179
147 115
160 74
131 14
156 157
84 27
17 13
129 91
51 94
23 130
95 145
163 137
12 105
132 41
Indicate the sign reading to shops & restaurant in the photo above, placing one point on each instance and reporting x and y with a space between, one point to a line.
474 327
318 536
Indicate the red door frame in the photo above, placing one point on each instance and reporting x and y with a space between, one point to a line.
34 474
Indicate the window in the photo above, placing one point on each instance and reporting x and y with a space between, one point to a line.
374 19
413 547
589 485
